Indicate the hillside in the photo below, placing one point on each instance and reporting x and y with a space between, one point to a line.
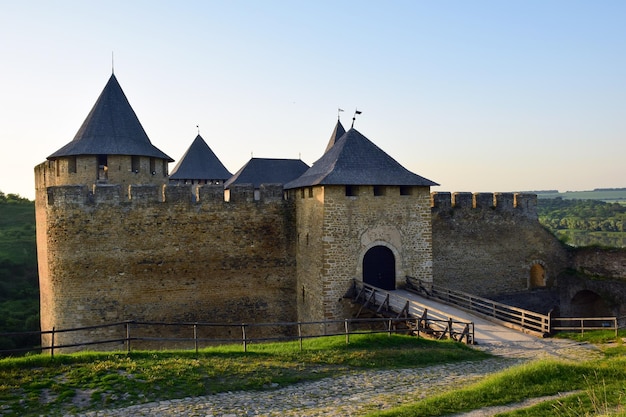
19 286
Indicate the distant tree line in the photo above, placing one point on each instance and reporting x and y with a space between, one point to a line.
583 217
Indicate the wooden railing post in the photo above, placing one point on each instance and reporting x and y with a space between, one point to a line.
243 335
195 336
300 334
127 337
52 343
347 329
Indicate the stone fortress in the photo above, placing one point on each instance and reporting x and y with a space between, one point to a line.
120 238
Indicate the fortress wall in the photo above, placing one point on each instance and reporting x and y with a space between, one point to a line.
309 252
485 243
157 254
598 262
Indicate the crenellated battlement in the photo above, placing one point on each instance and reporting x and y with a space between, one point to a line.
523 204
142 195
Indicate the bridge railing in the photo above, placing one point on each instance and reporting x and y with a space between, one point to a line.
429 320
514 317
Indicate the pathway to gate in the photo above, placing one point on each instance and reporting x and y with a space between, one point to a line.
360 392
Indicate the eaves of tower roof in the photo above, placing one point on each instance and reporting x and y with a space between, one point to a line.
199 163
268 171
111 128
355 160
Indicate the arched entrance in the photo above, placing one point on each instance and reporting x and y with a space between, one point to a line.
587 303
537 276
379 268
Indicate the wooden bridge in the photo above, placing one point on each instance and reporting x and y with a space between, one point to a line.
418 318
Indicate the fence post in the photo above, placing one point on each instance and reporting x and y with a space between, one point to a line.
389 334
52 344
549 326
346 326
615 325
450 327
300 335
127 337
243 333
195 336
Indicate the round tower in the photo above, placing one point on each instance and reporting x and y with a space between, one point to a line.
112 151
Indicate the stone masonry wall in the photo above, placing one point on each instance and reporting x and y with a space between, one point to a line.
165 254
486 244
606 263
352 225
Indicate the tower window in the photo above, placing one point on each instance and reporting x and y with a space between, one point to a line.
153 166
379 190
71 164
165 172
351 190
406 190
103 166
310 192
135 163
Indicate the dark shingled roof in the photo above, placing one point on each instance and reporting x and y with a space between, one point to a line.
337 133
199 163
355 160
111 128
268 171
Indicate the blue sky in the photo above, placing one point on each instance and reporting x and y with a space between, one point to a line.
475 95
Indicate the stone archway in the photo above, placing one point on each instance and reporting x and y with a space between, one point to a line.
587 303
379 268
537 278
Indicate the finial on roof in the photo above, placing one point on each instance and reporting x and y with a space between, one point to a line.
112 64
198 127
354 117
339 110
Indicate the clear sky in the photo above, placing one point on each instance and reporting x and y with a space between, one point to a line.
475 95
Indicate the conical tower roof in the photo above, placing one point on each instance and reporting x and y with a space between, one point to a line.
199 163
111 128
337 133
355 160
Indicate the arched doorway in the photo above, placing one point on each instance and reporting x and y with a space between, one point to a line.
379 268
537 276
587 303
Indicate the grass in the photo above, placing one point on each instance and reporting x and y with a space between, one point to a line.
599 388
40 385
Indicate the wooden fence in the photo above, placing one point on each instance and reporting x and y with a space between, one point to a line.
513 317
580 324
131 332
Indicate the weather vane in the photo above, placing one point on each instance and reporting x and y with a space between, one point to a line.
339 110
354 117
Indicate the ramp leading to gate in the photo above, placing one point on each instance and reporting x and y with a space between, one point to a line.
418 316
